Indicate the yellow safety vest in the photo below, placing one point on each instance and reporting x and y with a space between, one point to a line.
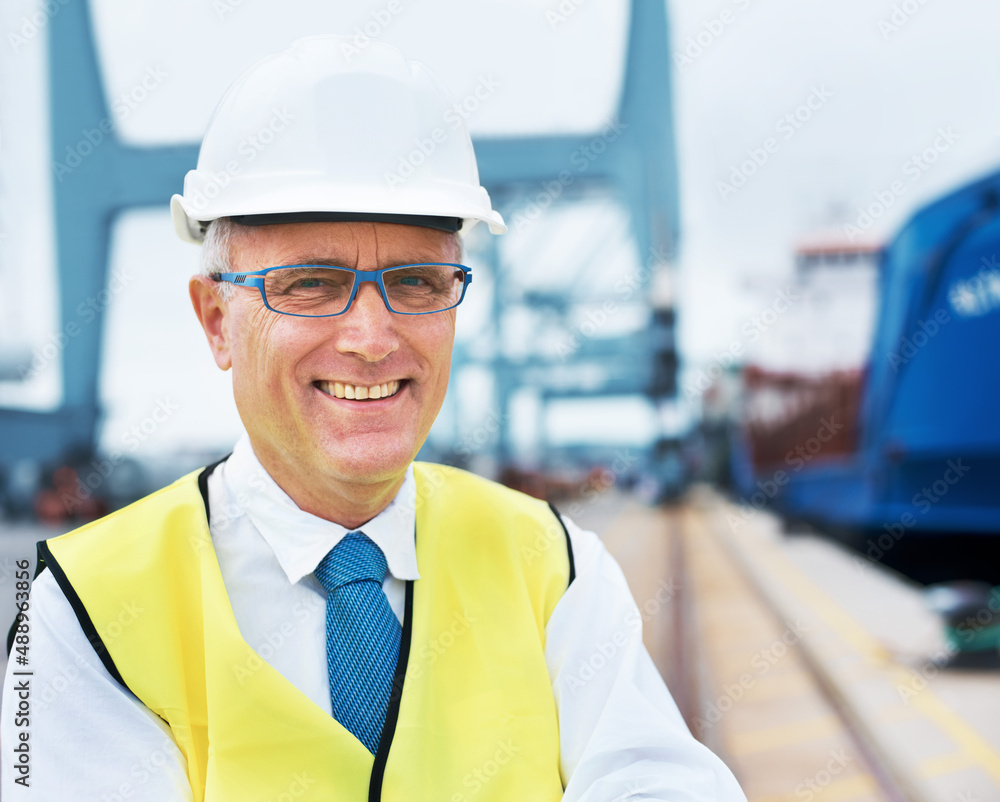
475 719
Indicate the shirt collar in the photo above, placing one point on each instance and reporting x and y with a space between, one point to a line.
299 539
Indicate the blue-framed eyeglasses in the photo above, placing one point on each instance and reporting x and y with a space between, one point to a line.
326 291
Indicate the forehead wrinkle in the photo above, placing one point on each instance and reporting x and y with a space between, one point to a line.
378 261
419 255
346 248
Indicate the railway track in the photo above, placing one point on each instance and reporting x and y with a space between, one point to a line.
799 700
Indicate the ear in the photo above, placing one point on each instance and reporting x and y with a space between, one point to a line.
213 314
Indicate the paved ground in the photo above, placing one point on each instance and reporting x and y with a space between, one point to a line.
731 665
873 645
810 671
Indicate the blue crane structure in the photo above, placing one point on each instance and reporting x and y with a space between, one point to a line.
640 170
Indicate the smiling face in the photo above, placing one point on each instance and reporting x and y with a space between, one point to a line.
288 371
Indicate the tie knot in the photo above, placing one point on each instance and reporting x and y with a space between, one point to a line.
354 559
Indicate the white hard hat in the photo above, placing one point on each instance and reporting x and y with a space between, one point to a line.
325 131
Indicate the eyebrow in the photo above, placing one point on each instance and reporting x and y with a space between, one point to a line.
417 259
305 260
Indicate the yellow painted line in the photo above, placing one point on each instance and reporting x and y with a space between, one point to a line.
980 751
762 740
976 747
815 598
944 764
858 786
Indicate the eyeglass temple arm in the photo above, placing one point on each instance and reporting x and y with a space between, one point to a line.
241 279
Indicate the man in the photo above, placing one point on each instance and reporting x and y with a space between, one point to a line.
317 616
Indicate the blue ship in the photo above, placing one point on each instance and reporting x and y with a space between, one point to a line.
908 471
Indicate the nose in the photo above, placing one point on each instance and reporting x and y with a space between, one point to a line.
368 328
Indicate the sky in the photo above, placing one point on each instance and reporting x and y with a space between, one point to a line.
893 77
792 119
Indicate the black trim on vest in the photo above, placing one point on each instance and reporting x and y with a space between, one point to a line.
569 545
395 696
11 633
81 612
203 486
47 560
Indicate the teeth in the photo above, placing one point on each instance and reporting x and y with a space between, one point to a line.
357 392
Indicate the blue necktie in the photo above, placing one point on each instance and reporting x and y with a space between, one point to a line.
362 636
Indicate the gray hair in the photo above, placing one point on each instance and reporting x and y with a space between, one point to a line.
216 252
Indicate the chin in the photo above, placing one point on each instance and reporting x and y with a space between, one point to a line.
369 462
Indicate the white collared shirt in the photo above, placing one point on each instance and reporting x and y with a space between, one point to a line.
621 736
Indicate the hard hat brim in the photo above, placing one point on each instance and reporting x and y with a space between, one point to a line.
192 229
448 224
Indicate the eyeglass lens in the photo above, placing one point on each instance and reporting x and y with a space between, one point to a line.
315 290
